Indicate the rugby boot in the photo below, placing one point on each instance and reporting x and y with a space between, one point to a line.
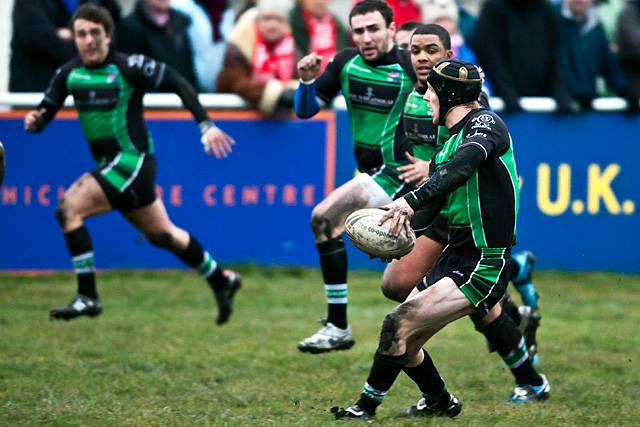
328 338
224 295
448 409
81 305
525 393
354 413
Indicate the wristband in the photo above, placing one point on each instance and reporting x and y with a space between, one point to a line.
205 126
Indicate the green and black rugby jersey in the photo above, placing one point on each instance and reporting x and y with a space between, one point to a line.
483 212
475 177
108 97
417 121
375 93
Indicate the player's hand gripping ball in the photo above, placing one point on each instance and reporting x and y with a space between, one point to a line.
376 240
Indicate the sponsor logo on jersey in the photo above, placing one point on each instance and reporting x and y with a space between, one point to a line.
476 133
483 121
111 77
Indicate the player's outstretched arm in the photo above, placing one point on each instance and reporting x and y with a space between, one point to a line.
214 139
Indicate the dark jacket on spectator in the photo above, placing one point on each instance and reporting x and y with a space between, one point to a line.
139 34
36 50
585 55
301 33
516 45
628 38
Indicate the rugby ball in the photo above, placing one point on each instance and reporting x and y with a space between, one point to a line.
376 240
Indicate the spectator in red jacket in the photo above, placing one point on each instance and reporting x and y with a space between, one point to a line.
261 57
315 29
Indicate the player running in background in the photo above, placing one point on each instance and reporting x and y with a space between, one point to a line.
107 88
375 79
475 178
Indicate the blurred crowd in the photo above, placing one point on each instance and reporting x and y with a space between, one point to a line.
570 50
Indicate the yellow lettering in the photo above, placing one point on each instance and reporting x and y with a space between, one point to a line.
560 205
599 187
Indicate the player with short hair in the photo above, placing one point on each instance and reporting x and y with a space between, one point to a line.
107 88
375 78
475 177
403 34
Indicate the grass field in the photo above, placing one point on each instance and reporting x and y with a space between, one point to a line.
155 356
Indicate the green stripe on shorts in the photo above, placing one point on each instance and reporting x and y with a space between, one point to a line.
122 170
485 276
387 179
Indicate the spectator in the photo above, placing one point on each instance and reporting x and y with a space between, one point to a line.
41 41
156 30
211 23
585 54
261 57
403 10
628 39
515 43
446 13
465 21
609 11
315 29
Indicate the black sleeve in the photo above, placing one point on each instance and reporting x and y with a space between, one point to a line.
432 195
143 72
488 132
148 74
485 136
55 95
328 84
174 82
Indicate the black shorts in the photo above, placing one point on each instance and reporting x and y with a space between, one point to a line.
138 193
438 230
481 274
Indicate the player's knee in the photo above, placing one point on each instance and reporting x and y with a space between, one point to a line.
389 333
394 286
160 239
62 213
321 224
392 338
391 291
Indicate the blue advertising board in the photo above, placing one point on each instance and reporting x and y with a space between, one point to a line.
579 206
253 206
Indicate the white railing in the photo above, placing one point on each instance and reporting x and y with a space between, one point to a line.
225 101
